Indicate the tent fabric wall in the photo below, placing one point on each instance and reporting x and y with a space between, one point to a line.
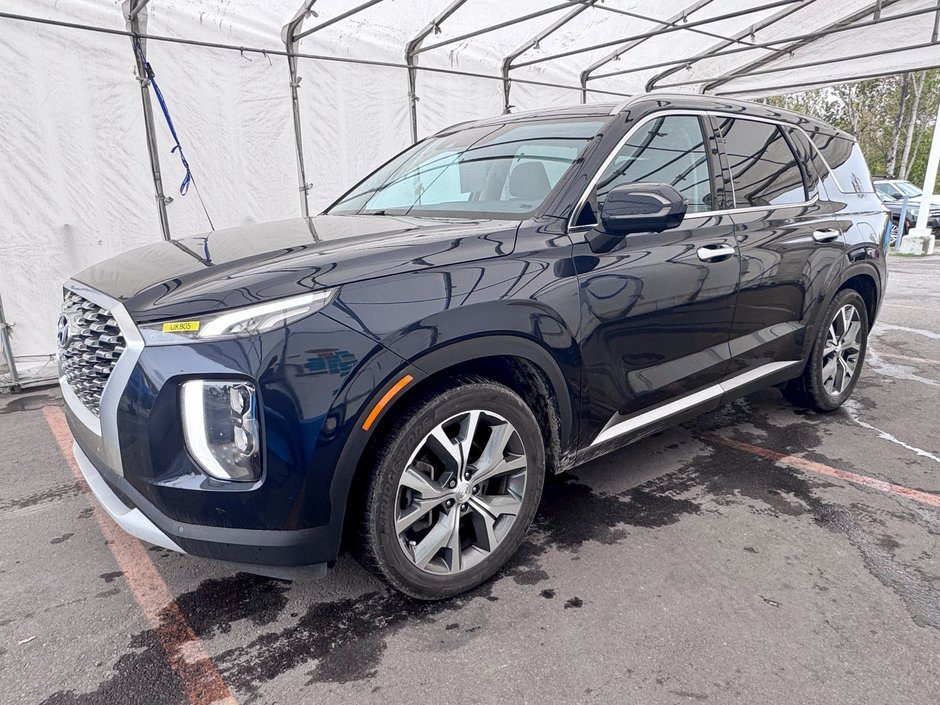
75 182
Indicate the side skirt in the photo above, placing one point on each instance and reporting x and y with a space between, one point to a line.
621 431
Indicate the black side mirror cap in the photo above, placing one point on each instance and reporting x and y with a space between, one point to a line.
643 208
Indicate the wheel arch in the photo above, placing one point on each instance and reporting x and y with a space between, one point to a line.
866 280
517 362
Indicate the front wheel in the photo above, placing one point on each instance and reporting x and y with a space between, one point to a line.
456 483
838 353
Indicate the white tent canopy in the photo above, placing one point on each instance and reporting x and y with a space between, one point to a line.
257 88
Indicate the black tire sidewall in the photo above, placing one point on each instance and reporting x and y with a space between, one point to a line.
395 452
821 399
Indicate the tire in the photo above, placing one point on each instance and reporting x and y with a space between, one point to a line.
819 387
418 479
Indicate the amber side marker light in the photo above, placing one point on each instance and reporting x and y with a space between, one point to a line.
383 402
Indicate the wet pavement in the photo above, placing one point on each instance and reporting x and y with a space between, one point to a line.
717 561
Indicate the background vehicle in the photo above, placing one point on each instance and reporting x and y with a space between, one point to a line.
509 298
893 192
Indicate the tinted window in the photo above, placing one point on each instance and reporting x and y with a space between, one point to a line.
500 170
846 161
764 170
667 150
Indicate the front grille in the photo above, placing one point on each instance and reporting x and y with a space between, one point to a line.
90 343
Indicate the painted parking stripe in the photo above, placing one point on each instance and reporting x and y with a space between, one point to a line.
821 469
924 360
201 681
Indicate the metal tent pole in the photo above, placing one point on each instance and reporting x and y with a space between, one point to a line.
665 30
621 50
841 23
533 43
289 36
411 51
7 346
135 15
920 241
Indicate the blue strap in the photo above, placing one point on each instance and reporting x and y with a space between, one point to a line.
148 69
188 178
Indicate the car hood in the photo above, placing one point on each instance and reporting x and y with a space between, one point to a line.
261 262
914 203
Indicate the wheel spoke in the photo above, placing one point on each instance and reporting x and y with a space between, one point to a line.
484 526
468 431
454 557
849 367
416 511
846 312
497 505
437 538
416 480
445 449
839 382
852 334
500 467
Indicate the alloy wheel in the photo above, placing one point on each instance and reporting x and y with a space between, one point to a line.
460 492
841 350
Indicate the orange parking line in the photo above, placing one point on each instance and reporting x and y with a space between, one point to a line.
201 681
821 469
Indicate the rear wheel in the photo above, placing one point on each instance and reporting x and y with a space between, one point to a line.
838 353
456 484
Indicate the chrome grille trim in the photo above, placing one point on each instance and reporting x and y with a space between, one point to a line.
92 346
104 426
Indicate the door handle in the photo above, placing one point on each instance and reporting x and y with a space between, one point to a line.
715 253
826 235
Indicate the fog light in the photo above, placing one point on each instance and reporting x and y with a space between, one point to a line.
220 425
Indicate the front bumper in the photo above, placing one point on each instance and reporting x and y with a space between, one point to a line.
278 554
133 456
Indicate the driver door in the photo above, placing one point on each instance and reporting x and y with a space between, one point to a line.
656 308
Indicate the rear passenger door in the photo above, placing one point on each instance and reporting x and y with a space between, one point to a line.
789 241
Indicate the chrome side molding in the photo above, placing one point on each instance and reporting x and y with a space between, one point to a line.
647 418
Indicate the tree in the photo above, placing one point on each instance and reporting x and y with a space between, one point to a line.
912 125
880 113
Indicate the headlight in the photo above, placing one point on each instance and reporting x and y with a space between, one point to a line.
221 428
239 321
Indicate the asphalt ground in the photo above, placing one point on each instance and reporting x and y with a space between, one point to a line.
761 554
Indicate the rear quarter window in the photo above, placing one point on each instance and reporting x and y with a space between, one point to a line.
845 159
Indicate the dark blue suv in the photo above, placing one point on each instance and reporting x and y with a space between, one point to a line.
504 300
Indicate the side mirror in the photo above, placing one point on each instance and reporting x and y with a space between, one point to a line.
642 208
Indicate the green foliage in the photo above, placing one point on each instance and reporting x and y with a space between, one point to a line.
869 110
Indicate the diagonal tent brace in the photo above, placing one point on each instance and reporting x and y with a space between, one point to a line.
135 15
620 51
875 11
665 30
533 43
718 49
803 40
412 48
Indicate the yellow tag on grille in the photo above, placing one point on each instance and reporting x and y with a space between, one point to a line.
180 326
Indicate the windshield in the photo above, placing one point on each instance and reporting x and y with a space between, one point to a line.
908 189
492 171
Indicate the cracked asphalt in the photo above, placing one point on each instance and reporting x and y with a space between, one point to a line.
685 568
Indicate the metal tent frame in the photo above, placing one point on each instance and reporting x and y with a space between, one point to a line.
778 57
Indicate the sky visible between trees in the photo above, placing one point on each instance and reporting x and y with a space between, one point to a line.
892 118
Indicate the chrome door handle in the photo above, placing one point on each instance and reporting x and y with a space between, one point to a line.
713 253
826 235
